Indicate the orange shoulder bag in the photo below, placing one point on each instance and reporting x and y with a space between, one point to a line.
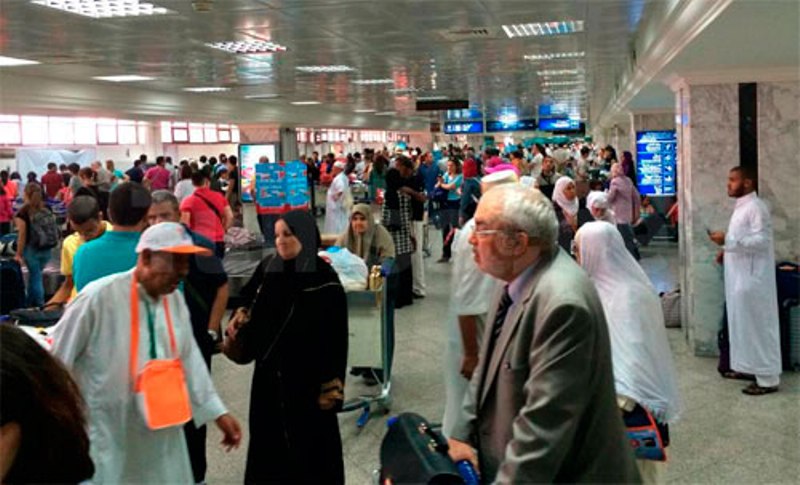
160 387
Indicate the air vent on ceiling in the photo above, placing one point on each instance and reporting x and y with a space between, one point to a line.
474 33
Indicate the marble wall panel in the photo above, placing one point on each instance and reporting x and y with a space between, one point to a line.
779 162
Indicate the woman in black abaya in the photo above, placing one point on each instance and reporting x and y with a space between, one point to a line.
297 335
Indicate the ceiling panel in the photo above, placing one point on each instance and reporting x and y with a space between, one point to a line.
417 43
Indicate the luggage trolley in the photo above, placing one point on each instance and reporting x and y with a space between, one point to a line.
371 343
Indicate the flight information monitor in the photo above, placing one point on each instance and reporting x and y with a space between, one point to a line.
656 157
457 128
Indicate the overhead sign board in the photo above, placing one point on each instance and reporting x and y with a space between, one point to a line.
458 128
517 125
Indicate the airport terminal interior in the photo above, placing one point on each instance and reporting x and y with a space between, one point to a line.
331 104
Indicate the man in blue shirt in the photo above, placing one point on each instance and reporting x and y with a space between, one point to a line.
114 251
430 174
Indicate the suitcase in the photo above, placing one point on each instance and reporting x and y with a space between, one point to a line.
12 286
788 284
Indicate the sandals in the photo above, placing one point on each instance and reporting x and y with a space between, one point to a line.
738 376
756 390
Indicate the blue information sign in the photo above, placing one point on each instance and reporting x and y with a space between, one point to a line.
559 124
457 128
656 157
464 114
518 125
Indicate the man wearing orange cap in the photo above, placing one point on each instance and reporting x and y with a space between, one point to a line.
128 341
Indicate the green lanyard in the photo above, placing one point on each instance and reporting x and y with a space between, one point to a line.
151 326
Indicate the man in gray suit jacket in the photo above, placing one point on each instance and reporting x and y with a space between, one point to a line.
541 406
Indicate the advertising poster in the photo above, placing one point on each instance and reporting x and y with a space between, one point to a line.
281 187
248 159
656 157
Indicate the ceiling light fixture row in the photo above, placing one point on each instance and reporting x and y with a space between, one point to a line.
248 47
325 69
262 96
554 56
562 83
98 9
13 61
207 89
305 103
404 90
559 72
537 29
124 78
364 111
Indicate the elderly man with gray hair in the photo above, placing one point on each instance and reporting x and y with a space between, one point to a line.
541 407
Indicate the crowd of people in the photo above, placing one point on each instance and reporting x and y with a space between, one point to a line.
542 379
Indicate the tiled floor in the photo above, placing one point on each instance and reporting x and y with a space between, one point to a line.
723 436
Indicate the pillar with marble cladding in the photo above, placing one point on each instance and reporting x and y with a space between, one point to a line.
708 141
288 143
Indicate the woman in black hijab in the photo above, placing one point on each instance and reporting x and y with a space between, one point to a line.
297 335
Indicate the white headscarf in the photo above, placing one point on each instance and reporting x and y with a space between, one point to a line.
568 206
643 367
599 200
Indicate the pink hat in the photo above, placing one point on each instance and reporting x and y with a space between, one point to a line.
502 166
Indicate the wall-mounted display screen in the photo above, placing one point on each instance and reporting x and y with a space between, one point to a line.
656 157
517 125
559 124
457 128
248 159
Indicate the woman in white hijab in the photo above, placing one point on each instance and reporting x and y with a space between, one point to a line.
566 205
644 374
598 205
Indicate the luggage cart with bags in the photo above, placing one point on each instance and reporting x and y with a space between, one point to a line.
371 340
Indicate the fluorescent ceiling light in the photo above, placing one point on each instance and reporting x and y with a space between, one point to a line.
305 103
554 55
404 90
248 47
318 69
364 111
386 113
13 61
559 72
432 98
372 81
207 89
262 96
98 9
125 78
562 83
536 29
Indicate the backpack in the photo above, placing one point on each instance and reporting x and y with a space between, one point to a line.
44 230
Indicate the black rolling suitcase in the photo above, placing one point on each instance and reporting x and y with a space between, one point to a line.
12 286
788 282
36 317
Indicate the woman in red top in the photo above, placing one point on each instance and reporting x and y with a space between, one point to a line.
6 213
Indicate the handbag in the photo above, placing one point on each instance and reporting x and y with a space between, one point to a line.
645 435
412 452
160 387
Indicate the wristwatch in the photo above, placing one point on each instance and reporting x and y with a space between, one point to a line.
213 334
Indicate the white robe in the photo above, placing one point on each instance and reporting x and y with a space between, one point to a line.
93 340
751 294
336 210
470 292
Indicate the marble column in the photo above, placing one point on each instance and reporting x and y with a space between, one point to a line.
708 143
288 144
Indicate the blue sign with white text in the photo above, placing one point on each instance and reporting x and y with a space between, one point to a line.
517 125
559 124
458 128
656 162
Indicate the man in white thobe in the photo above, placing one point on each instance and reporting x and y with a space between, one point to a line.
751 294
470 295
93 339
339 201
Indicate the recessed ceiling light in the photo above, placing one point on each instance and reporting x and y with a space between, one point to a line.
262 96
305 103
386 113
248 47
364 111
372 81
13 61
125 78
432 98
318 69
99 9
554 55
543 28
562 83
207 89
